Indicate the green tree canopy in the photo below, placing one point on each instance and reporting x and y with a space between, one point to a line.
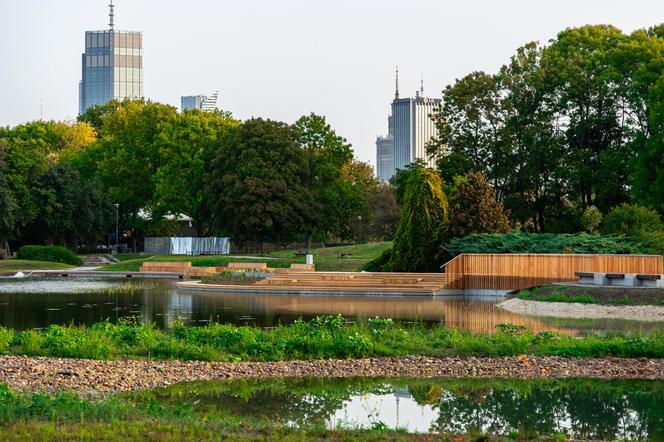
474 209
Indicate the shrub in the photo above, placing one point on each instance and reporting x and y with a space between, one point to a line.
631 219
591 219
544 243
49 253
474 208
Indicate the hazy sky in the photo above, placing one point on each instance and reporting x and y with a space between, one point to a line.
282 59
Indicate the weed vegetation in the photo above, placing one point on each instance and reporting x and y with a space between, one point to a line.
320 338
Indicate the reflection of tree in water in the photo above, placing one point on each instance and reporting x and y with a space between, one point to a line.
300 401
586 408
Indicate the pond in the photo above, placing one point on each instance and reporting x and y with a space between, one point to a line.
579 408
31 303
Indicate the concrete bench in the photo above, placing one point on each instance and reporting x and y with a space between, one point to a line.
585 277
650 280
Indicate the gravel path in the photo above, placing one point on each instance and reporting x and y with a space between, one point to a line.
31 374
650 313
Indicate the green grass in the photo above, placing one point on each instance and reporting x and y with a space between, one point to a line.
128 256
22 264
320 338
359 251
556 296
326 258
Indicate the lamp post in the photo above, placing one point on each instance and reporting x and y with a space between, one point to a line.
117 231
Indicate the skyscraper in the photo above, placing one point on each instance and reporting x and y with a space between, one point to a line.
112 66
206 103
410 129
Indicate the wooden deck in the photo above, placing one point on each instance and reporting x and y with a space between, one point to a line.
338 283
521 271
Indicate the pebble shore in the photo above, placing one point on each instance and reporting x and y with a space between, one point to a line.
32 374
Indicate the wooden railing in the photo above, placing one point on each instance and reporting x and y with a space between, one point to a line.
520 271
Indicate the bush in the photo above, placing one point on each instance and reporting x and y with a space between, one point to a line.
49 253
545 243
631 219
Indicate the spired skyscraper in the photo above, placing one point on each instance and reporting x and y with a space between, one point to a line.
112 66
410 128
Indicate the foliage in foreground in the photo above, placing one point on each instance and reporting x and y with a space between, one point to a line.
322 337
49 253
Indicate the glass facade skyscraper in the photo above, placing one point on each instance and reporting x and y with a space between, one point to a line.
112 67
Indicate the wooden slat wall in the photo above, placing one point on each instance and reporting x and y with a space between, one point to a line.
519 271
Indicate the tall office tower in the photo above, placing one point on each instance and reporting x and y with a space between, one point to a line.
191 102
112 66
385 153
205 103
412 129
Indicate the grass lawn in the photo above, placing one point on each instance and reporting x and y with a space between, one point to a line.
326 259
21 264
595 295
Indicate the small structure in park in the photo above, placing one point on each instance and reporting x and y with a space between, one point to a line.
187 246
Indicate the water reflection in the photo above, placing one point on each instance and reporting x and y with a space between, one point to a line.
578 408
36 303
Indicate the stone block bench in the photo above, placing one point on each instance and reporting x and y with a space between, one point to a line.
620 279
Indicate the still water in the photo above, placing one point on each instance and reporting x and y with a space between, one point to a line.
38 302
579 408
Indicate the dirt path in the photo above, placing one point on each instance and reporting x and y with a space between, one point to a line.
86 376
651 313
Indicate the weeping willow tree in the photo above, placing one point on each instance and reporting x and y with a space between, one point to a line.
422 224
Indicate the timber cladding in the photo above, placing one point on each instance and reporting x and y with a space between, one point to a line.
519 271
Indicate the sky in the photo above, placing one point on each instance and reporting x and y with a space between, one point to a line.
287 58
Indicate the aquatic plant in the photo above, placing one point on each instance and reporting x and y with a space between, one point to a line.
322 337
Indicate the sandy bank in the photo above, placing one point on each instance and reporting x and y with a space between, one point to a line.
52 374
584 311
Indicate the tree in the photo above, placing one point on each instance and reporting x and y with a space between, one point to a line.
469 123
72 212
401 178
9 207
336 201
631 219
256 187
591 219
422 224
126 157
474 209
383 213
186 148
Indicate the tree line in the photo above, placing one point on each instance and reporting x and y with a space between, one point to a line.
562 128
255 181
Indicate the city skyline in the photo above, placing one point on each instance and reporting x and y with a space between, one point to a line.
284 61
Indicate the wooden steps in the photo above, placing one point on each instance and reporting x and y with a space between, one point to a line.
355 282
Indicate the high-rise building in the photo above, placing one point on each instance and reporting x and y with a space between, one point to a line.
205 103
385 153
112 66
188 102
410 130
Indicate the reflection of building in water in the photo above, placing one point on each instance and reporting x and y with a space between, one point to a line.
475 316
